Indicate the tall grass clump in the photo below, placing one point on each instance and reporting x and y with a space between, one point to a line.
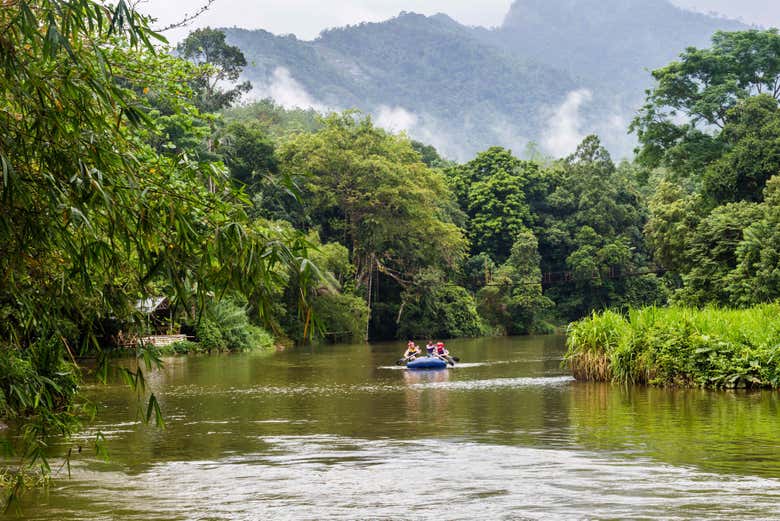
590 343
710 347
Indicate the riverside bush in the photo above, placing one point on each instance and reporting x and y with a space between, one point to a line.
225 327
183 347
710 347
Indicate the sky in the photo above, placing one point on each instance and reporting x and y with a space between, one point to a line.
306 18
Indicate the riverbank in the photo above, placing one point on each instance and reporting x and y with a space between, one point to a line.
188 347
711 347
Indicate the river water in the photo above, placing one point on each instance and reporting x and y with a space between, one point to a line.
340 432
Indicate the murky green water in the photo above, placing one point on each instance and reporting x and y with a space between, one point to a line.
342 433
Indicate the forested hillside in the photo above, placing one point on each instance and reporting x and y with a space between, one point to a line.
606 43
551 74
413 73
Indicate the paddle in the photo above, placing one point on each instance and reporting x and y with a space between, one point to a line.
449 359
402 361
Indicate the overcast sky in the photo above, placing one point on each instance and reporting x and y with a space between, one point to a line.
306 18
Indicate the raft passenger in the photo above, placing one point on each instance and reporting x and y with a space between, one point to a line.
412 351
443 353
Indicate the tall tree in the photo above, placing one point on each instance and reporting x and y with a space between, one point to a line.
674 215
712 253
713 119
250 155
512 299
751 141
491 189
386 203
681 122
593 231
219 63
756 276
368 190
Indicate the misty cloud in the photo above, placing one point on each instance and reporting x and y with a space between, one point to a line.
433 132
613 132
506 135
395 119
563 132
287 92
422 127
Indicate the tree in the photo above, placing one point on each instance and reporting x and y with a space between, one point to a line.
477 271
337 313
681 121
712 120
592 230
368 190
435 308
756 276
512 301
250 156
219 63
491 190
279 123
384 203
712 253
751 140
429 155
674 215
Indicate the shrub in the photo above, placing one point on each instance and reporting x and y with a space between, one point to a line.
225 326
183 347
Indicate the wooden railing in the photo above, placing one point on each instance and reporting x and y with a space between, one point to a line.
163 340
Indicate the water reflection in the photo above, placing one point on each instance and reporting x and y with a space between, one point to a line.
721 431
419 377
333 477
426 405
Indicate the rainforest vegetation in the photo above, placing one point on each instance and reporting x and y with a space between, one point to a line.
130 171
710 138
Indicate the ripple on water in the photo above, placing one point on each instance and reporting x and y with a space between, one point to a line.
496 383
336 389
330 477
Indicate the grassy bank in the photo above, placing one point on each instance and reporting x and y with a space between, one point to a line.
712 347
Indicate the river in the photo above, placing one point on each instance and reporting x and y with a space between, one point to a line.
340 432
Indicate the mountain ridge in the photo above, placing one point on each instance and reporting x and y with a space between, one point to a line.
551 73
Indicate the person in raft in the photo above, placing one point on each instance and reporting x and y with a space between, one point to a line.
412 351
443 353
430 347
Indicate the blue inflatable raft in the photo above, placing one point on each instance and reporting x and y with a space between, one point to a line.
427 362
